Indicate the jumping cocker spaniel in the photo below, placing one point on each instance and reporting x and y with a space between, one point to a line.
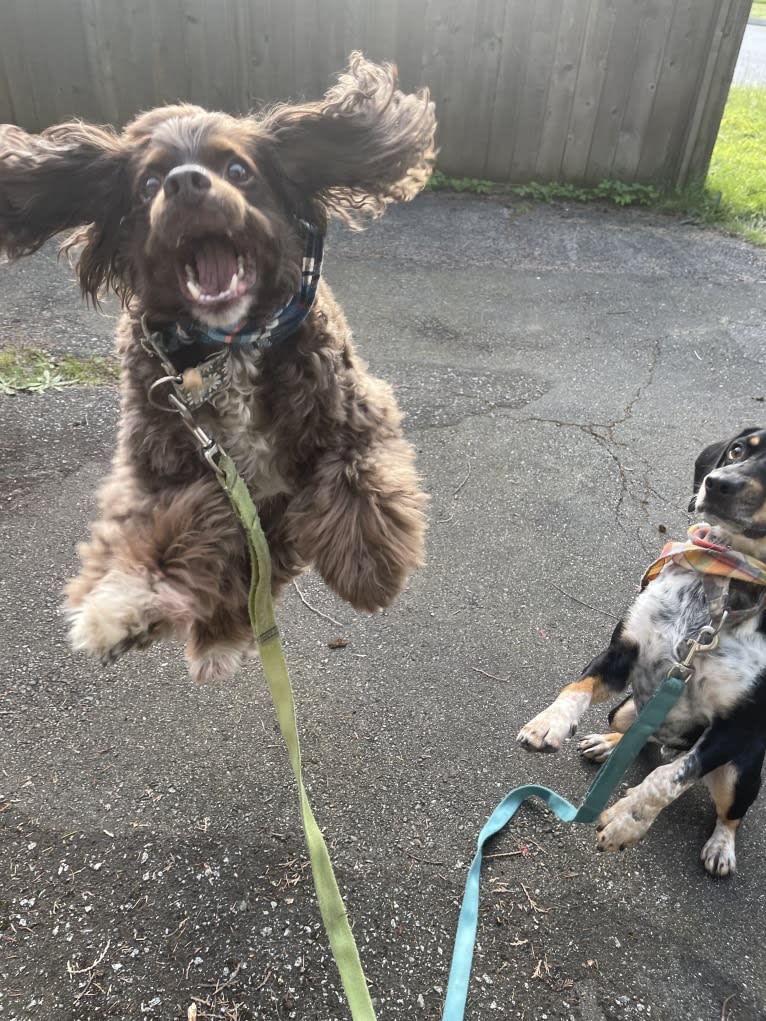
209 227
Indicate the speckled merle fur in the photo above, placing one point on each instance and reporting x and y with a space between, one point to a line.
718 727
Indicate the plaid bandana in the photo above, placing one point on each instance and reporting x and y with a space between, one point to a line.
699 554
249 333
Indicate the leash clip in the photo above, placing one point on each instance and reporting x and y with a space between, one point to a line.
177 406
210 449
706 640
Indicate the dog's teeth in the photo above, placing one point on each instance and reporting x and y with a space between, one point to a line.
189 272
240 267
234 279
194 290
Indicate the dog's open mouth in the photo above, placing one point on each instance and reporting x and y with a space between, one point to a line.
213 273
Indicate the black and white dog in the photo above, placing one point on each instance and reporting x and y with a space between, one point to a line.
718 728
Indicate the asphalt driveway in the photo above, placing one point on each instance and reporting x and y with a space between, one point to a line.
560 369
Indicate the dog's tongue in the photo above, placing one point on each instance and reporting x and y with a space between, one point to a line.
216 265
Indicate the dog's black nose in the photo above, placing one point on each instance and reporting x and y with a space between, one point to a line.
723 484
189 182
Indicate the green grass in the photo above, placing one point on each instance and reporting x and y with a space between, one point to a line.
31 370
759 9
738 166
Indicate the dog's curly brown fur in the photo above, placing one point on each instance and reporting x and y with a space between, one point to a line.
317 438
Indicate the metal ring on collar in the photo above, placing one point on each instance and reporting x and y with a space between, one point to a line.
176 381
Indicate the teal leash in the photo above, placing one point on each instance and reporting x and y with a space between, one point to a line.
596 797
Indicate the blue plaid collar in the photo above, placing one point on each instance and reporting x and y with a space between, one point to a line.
250 333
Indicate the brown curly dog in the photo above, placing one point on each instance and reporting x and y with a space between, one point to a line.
209 228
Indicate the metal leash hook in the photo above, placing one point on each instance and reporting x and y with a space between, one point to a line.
176 406
707 639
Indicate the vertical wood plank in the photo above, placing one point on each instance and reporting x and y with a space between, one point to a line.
410 43
563 73
124 30
620 64
100 62
509 95
21 99
588 90
445 58
634 137
480 85
540 50
677 85
7 111
711 99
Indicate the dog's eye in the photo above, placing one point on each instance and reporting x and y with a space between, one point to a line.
736 452
150 186
237 172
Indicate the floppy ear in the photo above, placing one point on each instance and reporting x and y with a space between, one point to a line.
364 145
710 458
70 175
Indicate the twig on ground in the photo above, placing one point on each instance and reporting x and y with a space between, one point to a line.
467 477
724 1005
542 966
533 904
478 670
99 959
428 861
582 602
313 609
220 986
444 521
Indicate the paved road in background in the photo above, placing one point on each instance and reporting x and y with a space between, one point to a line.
560 369
751 63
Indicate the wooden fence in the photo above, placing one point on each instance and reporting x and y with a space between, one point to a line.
568 90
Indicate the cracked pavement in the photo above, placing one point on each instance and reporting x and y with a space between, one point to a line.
560 368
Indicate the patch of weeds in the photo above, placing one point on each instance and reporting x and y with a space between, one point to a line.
475 185
621 193
32 370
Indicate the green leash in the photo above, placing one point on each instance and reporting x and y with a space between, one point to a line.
265 629
266 632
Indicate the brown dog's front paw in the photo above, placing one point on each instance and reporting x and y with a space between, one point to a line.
547 731
122 612
215 664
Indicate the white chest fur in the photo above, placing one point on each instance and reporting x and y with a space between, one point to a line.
240 427
671 609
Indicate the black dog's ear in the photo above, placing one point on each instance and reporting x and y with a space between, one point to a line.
364 145
70 175
711 458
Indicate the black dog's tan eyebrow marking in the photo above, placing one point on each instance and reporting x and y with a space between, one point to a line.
755 441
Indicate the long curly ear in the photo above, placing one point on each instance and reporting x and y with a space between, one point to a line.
364 145
70 175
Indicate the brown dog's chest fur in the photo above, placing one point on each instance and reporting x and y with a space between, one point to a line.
279 410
